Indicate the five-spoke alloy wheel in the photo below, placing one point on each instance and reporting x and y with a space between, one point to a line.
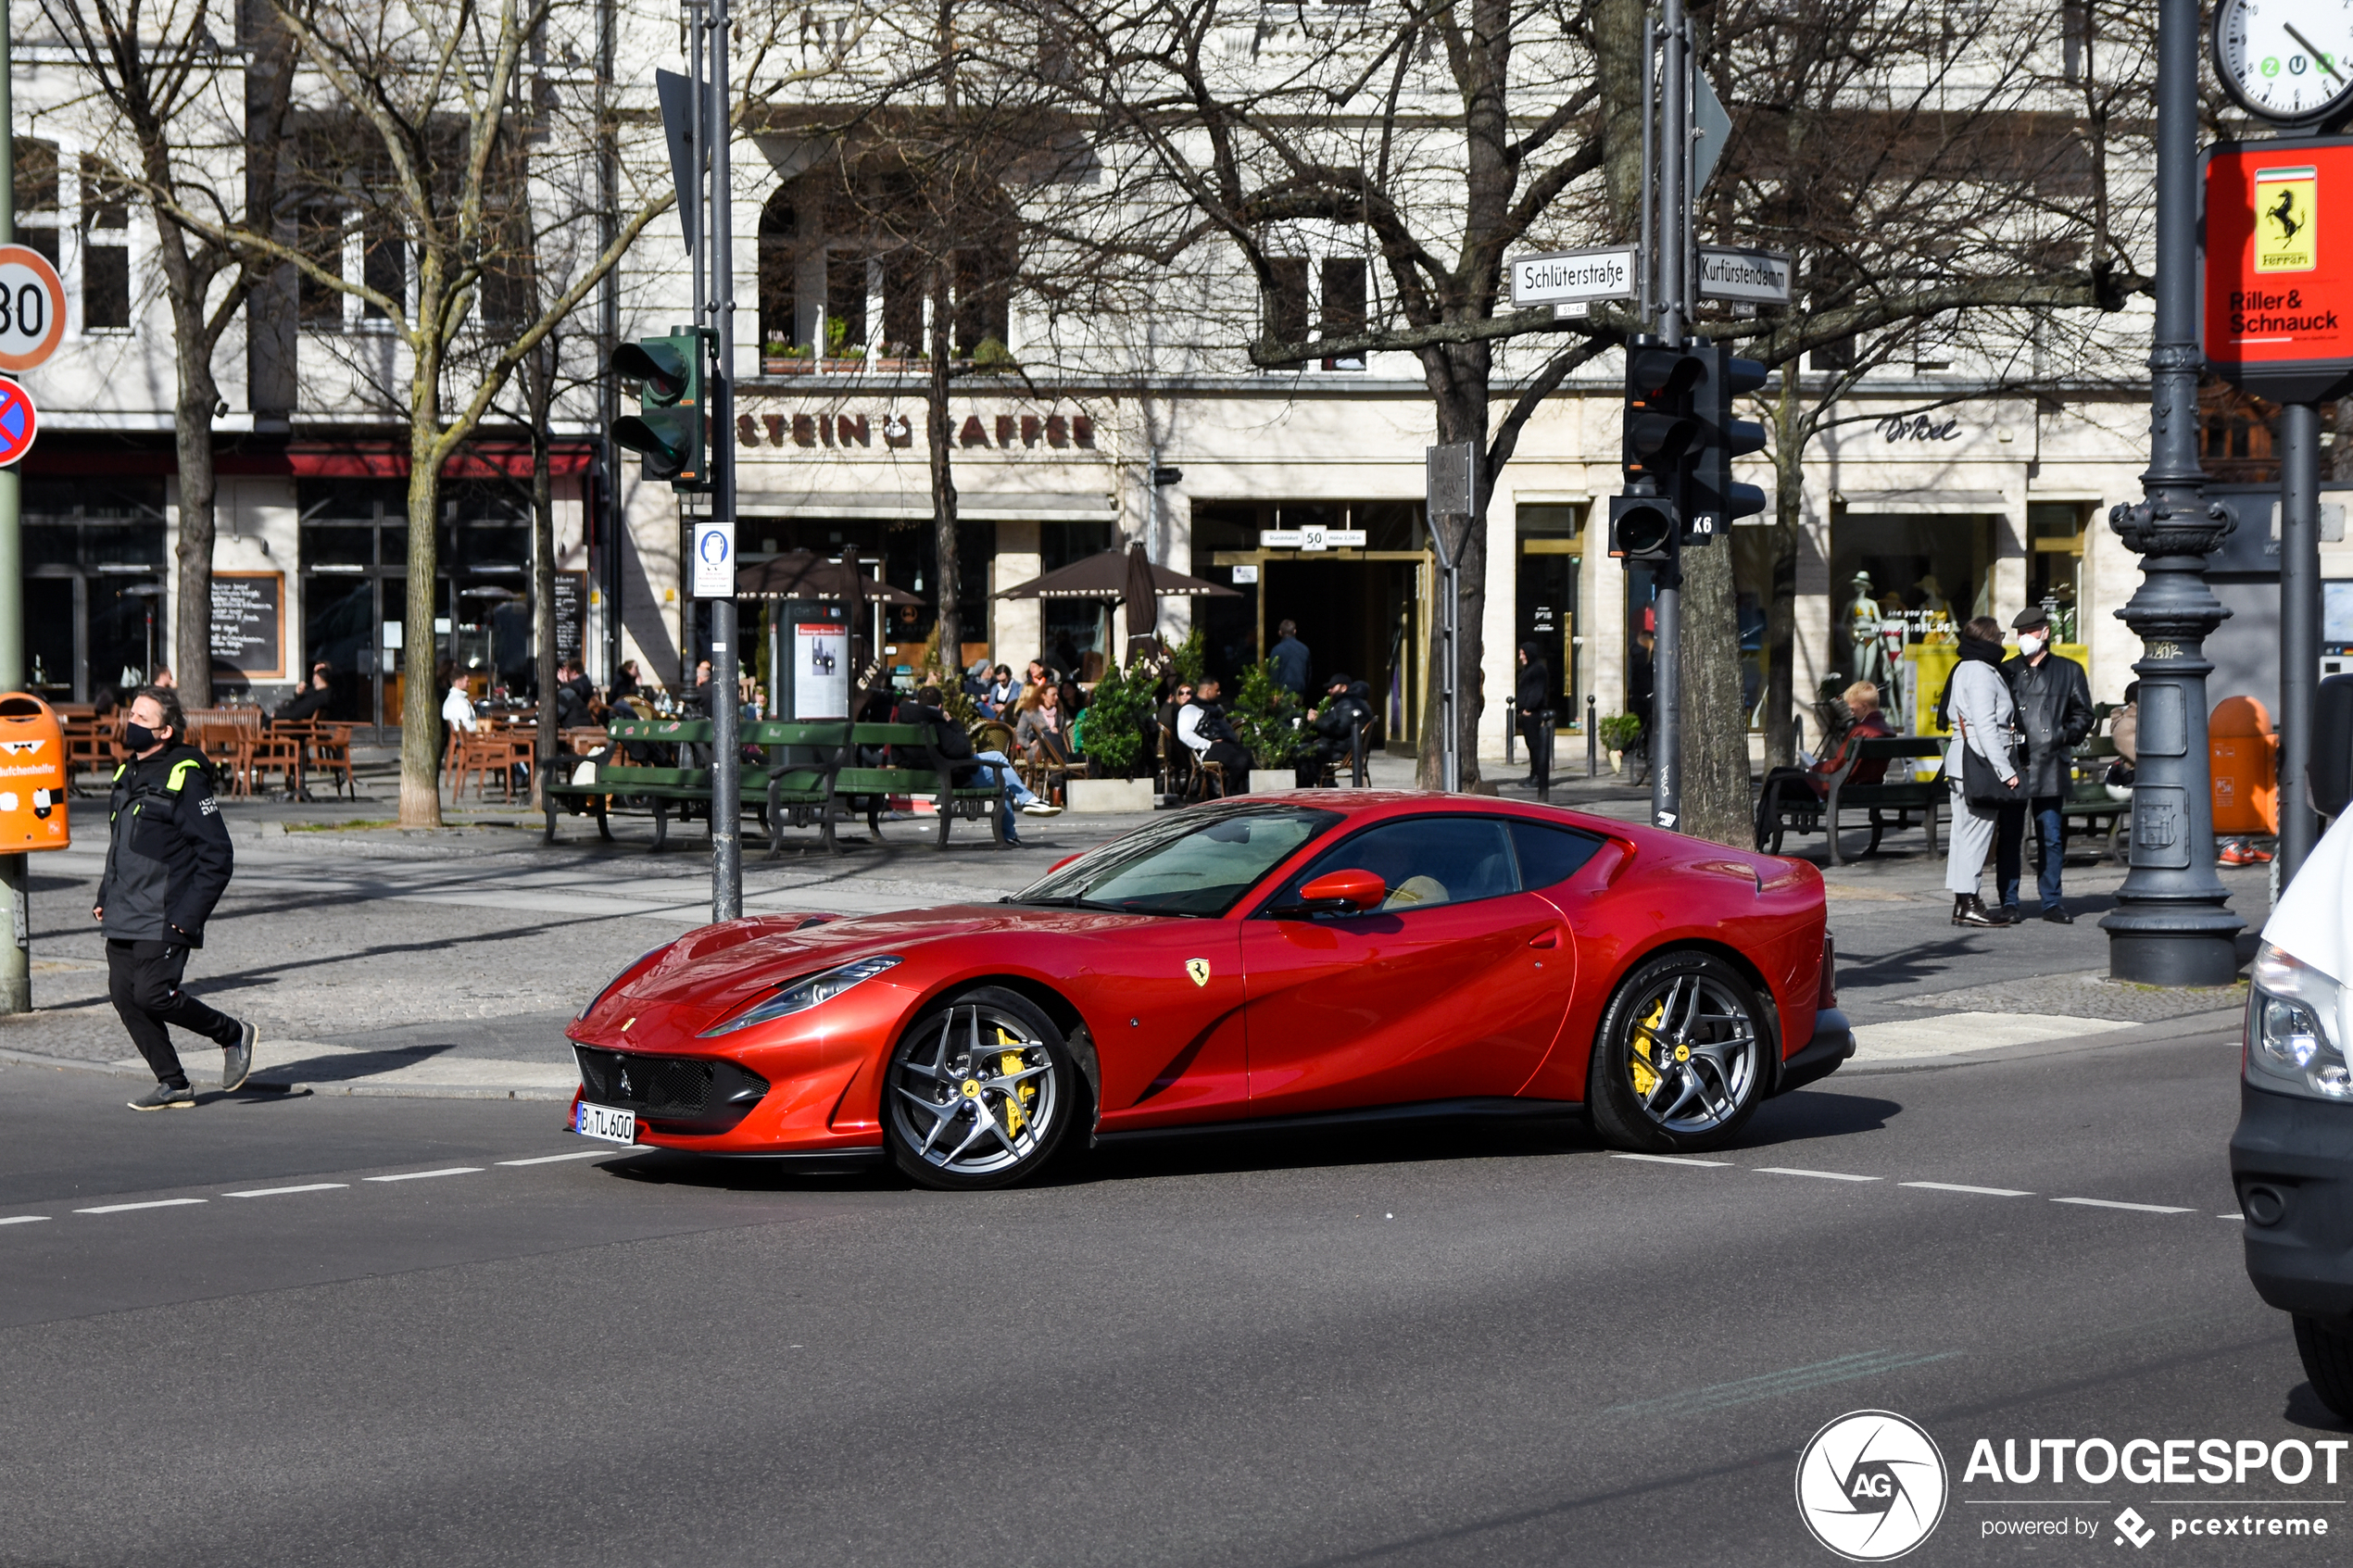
1682 1057
979 1091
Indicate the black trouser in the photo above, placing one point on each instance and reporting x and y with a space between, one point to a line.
143 980
1540 756
1235 761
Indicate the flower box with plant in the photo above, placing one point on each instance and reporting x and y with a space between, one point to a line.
1264 715
1620 733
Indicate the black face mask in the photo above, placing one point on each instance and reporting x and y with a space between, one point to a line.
138 736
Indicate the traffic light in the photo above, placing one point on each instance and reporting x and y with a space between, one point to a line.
668 426
1712 500
1644 522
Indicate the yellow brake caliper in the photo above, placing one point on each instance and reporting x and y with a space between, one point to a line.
1646 1076
1016 1105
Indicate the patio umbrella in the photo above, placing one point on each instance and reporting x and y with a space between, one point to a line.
1141 601
800 574
1105 576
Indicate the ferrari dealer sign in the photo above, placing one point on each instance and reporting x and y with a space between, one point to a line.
2278 315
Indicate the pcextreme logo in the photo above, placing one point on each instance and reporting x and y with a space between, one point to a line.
1870 1485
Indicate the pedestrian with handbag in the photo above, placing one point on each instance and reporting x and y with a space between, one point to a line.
1981 767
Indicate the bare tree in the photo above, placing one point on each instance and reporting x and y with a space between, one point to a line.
200 126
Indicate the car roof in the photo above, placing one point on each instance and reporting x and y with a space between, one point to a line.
1370 804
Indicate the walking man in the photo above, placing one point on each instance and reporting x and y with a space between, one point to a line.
2054 700
167 863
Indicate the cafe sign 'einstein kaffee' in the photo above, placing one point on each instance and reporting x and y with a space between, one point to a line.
2278 263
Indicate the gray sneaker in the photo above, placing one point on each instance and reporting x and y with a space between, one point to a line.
236 1061
163 1097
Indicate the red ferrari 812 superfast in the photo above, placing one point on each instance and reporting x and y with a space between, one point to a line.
1299 959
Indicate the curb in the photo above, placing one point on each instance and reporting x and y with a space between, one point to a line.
352 1088
2188 1025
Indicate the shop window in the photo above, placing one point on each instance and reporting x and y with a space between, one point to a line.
1552 545
1343 279
106 247
1901 583
36 196
2054 564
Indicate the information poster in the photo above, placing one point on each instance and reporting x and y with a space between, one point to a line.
821 671
248 623
572 621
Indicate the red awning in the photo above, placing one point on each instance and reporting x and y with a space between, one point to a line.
500 460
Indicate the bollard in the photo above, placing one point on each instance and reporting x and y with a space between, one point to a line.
1592 755
1547 727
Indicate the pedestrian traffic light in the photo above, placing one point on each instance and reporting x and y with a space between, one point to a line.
668 426
1712 499
1643 527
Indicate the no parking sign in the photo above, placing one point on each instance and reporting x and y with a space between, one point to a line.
18 422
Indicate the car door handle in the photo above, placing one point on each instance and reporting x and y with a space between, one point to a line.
1545 939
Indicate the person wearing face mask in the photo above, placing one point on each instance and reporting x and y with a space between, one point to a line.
2054 700
167 862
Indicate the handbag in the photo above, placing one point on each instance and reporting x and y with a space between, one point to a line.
1982 786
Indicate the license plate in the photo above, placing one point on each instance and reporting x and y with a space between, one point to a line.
604 1121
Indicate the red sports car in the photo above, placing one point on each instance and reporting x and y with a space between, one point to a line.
1300 958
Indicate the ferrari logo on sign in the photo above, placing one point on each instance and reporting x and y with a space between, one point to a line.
2286 204
1199 970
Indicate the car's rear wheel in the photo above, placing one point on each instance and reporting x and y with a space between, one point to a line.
2327 1353
1682 1058
979 1092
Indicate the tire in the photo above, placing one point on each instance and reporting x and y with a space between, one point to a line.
957 1117
2328 1362
1722 1054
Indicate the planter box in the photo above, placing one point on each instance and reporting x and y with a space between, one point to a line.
773 366
1089 796
1272 780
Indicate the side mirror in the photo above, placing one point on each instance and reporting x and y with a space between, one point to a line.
1340 892
2331 772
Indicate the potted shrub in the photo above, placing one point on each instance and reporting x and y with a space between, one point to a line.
1619 734
1118 719
1266 717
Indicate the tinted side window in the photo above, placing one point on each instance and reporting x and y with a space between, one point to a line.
1425 862
1549 854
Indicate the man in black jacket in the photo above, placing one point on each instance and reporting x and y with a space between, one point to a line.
2053 702
1334 722
167 863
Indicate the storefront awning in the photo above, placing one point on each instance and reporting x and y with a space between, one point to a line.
1947 503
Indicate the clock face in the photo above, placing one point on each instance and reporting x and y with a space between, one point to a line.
2287 61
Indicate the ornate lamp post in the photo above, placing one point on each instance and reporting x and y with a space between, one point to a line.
2171 926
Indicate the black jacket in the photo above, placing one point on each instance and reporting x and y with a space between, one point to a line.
170 859
307 703
2054 713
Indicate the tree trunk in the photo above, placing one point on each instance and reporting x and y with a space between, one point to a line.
1461 418
1716 803
538 397
1781 613
947 587
420 699
192 436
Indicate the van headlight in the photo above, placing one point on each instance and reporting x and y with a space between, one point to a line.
800 996
2292 1012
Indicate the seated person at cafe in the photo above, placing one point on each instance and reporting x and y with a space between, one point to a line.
571 698
310 702
1204 729
1041 731
1862 702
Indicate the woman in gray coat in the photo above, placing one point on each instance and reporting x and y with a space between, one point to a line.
1983 716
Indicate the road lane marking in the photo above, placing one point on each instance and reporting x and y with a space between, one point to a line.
126 1207
577 1154
1671 1159
2230 1216
1749 1390
2111 1203
272 1192
420 1176
23 1220
1955 1186
1825 1175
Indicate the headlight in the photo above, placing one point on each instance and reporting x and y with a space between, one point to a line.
2292 1012
801 995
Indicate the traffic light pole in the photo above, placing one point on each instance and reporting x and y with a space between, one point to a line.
726 707
16 941
2299 629
1673 229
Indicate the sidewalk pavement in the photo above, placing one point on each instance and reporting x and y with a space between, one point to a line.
446 963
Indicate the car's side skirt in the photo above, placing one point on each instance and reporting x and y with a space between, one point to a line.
1476 1107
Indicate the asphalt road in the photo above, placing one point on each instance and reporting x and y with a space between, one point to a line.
1392 1347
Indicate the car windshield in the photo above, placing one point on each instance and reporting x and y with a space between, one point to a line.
1196 864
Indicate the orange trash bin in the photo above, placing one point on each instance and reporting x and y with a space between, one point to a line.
33 776
2244 755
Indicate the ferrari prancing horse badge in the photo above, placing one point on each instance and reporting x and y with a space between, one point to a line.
1199 970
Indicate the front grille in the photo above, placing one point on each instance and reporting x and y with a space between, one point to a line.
671 1094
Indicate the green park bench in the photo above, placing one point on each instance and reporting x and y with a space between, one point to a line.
1890 805
807 791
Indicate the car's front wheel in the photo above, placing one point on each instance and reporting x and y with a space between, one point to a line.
979 1092
2327 1355
1682 1058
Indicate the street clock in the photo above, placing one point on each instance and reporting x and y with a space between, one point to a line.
2288 61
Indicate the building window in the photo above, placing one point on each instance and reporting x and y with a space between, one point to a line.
1287 299
1343 279
318 236
106 247
384 268
845 301
36 195
779 255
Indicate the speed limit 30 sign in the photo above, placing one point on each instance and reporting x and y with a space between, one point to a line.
32 308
